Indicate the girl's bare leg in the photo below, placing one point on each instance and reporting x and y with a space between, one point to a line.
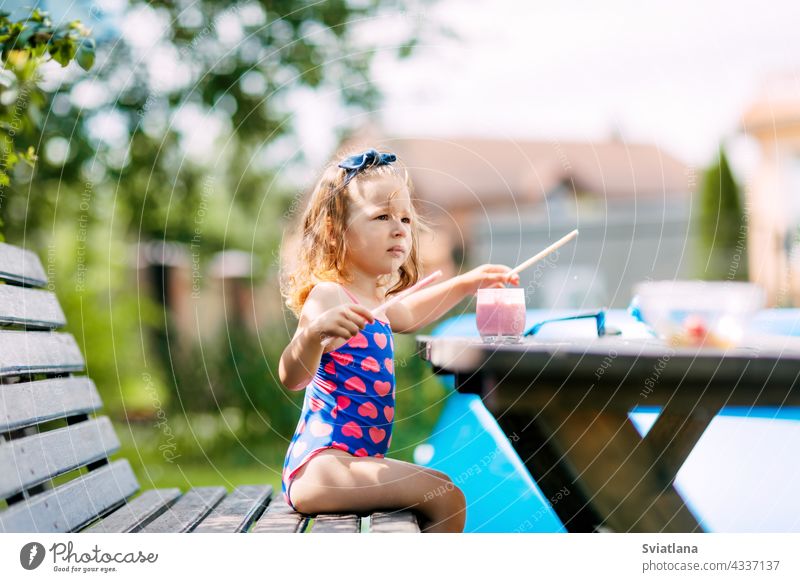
334 481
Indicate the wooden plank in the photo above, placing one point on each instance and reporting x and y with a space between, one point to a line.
33 308
238 511
187 512
394 522
335 523
137 513
31 460
29 352
74 504
280 518
21 266
29 403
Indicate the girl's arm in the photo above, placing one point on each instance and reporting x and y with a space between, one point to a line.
426 305
431 303
300 359
324 312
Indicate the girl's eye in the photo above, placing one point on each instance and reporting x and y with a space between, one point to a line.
382 216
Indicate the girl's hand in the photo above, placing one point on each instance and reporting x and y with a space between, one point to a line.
492 276
343 321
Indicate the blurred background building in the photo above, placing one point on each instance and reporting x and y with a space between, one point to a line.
773 120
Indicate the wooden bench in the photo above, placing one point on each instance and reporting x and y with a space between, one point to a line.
49 428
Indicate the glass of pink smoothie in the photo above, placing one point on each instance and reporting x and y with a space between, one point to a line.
500 315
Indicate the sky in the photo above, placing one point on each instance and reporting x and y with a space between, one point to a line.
677 74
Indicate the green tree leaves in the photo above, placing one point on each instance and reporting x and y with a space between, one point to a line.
722 231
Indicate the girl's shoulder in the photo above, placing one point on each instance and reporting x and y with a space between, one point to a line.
328 292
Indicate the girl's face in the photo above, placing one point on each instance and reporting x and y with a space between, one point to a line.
378 231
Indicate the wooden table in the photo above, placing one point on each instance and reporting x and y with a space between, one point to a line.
564 406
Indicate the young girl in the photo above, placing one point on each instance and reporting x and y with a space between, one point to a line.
359 248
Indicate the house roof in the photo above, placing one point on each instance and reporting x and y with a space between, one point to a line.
466 172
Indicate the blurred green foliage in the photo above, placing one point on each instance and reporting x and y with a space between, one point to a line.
25 45
722 233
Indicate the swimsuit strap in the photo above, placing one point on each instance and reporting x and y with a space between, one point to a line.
353 297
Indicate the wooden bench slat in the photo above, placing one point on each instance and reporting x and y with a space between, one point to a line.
187 512
37 458
29 403
30 352
394 522
74 504
33 308
280 518
137 513
21 266
334 523
238 511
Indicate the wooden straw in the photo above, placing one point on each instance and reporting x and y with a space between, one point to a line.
538 257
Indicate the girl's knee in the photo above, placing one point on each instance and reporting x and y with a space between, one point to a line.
457 500
443 489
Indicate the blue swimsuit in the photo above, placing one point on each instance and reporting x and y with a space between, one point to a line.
349 404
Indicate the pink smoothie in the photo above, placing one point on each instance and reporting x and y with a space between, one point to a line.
500 318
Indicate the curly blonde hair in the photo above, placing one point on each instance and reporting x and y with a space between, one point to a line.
322 247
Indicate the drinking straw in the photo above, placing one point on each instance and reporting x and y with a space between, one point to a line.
399 297
538 257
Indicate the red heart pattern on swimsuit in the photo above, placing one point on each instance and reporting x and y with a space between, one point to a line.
343 359
326 385
389 364
330 368
376 434
370 364
362 452
380 339
388 412
368 409
315 404
355 383
382 388
358 341
352 429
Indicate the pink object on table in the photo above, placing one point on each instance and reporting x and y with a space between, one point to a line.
500 313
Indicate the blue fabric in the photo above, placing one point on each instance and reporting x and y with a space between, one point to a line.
349 404
359 162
